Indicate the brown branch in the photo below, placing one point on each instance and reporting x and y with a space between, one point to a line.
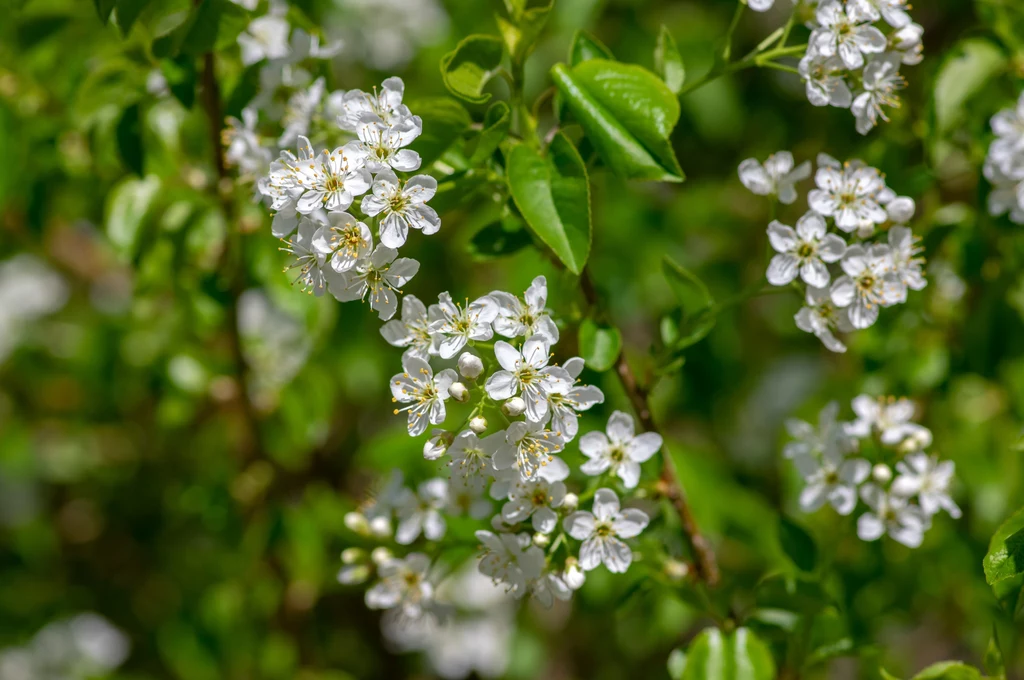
705 564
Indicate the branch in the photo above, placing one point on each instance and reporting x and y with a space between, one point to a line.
706 566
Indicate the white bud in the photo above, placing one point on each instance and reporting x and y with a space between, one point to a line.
541 540
573 576
459 392
478 424
470 366
514 407
901 209
675 569
570 502
356 521
380 527
881 473
353 574
380 555
438 443
352 555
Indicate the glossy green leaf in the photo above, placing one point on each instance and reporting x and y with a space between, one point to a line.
627 113
103 9
585 47
1005 557
521 33
553 194
215 25
495 130
127 207
127 13
739 655
668 61
993 659
499 239
797 544
600 345
963 73
129 139
467 69
444 121
180 74
949 670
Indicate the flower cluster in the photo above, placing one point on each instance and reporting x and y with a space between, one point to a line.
852 63
1004 163
843 461
539 540
847 275
312 194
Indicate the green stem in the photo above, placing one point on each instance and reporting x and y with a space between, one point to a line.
727 48
754 59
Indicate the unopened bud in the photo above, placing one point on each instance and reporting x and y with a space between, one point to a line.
675 569
541 540
353 574
459 392
352 555
380 556
881 473
470 366
478 424
574 577
438 443
380 527
570 502
356 521
901 209
514 407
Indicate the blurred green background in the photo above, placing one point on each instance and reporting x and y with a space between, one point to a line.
135 484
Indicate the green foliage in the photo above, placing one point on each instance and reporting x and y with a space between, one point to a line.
599 345
1005 557
798 545
468 68
736 655
668 62
585 47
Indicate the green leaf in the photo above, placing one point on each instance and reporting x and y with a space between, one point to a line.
521 34
1005 558
698 314
180 74
841 647
127 12
962 75
444 121
466 69
215 25
993 660
127 206
739 655
496 125
103 9
949 670
129 139
668 62
498 239
886 675
627 113
585 47
553 194
599 345
798 545
244 91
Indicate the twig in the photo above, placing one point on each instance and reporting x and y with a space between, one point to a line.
706 566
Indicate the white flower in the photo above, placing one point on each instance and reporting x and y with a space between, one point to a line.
891 418
382 503
531 448
404 207
536 498
470 365
453 325
824 81
403 583
385 104
573 576
562 408
882 80
900 209
849 195
830 436
893 11
299 111
548 588
465 496
265 37
423 391
421 512
526 371
332 180
848 34
904 251
804 251
601 532
282 187
775 177
821 317
1008 126
831 479
924 476
384 145
760 5
1007 195
472 456
868 284
309 261
510 559
412 330
516 319
893 515
906 42
380 275
438 443
620 451
344 239
243 148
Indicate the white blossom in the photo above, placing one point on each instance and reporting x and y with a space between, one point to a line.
824 81
904 250
526 372
243 147
380 275
412 330
384 144
403 206
882 80
803 252
893 515
472 456
282 187
893 11
453 325
331 180
344 240
510 559
466 496
563 407
848 194
470 365
927 478
548 588
891 418
308 260
846 32
420 512
830 437
603 530
517 319
775 177
535 499
424 393
299 111
385 104
831 479
620 451
531 448
404 583
868 284
265 37
820 316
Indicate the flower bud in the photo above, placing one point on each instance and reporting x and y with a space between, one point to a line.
356 521
438 443
881 473
470 366
514 407
901 209
352 555
573 576
459 392
541 540
381 527
353 574
676 570
478 424
380 555
570 502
